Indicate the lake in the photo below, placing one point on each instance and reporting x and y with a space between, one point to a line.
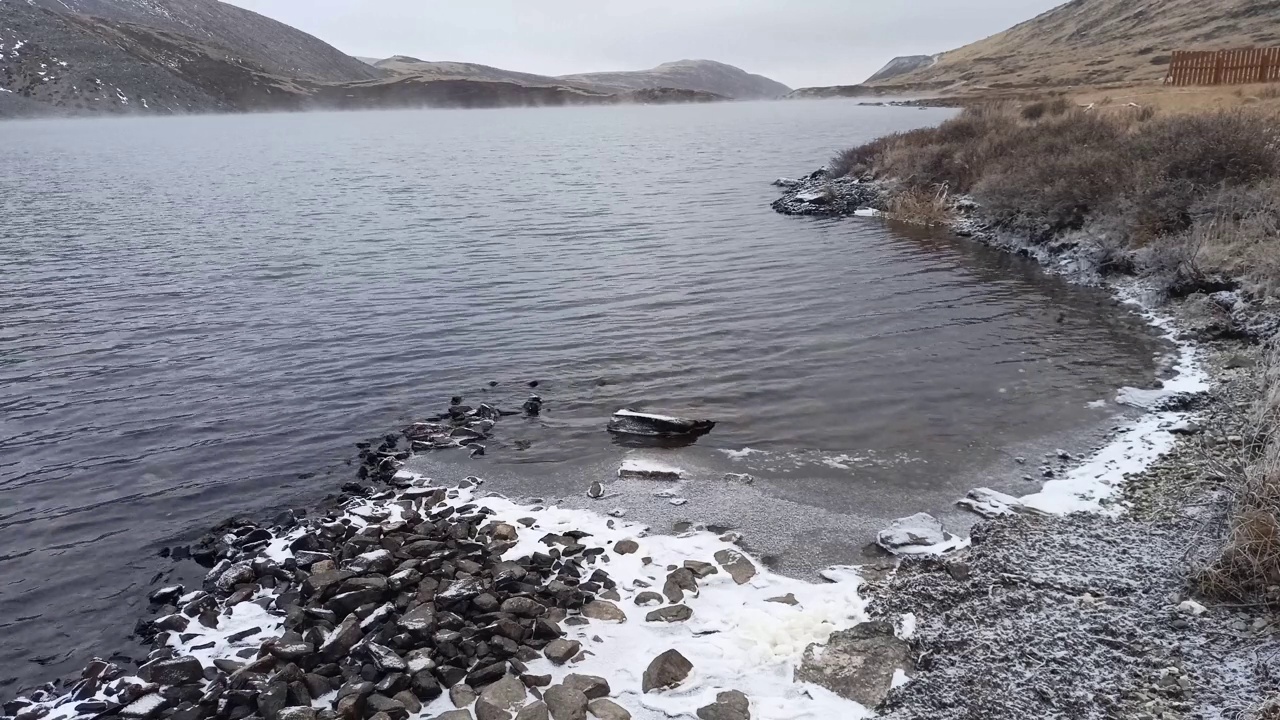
201 316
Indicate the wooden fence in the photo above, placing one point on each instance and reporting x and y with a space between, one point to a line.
1224 67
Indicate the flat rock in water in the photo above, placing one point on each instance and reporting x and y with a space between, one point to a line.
857 664
631 422
667 670
988 503
638 469
919 530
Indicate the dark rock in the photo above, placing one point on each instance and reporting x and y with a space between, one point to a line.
565 703
534 711
462 695
561 651
648 597
737 565
731 705
604 611
626 547
606 709
679 581
272 700
393 708
523 607
666 671
701 569
297 713
339 643
670 614
590 685
174 671
484 675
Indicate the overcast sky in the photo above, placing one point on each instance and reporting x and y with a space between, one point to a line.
797 42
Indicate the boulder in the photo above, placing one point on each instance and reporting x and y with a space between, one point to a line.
630 422
534 711
606 709
857 664
455 715
667 670
737 565
648 597
561 651
565 703
604 611
505 694
339 642
670 614
297 713
919 530
730 705
174 671
590 685
626 547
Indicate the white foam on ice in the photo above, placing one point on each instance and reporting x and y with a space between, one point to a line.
736 639
1088 486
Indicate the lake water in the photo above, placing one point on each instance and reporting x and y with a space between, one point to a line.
199 317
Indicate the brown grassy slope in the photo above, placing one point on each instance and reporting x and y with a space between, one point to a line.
1094 42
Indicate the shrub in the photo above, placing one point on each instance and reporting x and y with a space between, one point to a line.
1154 182
1249 561
919 206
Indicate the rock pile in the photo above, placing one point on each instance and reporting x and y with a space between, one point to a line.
817 194
384 609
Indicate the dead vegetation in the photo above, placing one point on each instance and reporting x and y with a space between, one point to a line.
1189 199
1247 568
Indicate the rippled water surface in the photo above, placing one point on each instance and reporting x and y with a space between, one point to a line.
200 316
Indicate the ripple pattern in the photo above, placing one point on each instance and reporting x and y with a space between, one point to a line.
198 316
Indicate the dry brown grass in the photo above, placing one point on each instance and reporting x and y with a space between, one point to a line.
921 207
1193 195
1249 562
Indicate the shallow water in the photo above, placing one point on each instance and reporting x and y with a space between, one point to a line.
199 316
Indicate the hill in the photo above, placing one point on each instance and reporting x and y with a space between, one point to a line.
705 75
1092 42
271 46
188 56
901 66
445 70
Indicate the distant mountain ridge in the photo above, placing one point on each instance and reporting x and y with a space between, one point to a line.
704 75
192 56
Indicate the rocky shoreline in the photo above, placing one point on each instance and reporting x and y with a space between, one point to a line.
1090 615
402 598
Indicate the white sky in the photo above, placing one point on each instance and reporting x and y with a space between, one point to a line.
797 42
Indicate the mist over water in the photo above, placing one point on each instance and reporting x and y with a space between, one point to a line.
200 316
